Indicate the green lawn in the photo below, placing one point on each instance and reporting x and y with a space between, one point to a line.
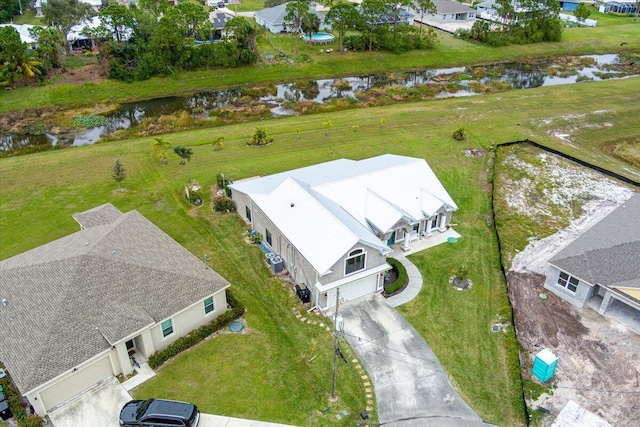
267 373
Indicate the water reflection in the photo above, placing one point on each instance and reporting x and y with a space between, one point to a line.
202 104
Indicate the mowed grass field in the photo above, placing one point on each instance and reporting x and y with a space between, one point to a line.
268 373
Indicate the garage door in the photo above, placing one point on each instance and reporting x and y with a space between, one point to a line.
358 288
76 383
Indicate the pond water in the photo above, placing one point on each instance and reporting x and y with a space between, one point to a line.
200 105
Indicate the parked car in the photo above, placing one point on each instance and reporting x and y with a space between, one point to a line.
159 413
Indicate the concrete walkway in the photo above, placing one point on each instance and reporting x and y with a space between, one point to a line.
413 287
410 385
415 278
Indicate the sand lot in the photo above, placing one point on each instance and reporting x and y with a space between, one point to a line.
599 358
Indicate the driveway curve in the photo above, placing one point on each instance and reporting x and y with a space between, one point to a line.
410 385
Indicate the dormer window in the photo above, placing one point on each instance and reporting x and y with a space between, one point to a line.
355 262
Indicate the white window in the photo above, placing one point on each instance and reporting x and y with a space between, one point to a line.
355 261
208 305
167 327
567 281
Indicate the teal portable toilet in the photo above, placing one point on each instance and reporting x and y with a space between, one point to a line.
544 365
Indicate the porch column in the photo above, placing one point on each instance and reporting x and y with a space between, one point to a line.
443 222
123 357
405 242
428 227
606 301
147 343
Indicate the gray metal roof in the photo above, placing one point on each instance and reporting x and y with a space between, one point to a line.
112 279
609 252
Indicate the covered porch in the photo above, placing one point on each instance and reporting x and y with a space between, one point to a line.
422 242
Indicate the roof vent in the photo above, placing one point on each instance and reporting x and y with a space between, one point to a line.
113 253
5 302
292 204
86 243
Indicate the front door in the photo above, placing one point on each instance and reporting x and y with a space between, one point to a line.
392 239
131 347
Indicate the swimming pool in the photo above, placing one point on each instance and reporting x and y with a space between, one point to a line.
319 38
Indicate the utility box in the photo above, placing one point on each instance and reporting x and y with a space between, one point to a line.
544 365
277 265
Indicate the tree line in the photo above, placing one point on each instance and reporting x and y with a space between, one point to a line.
520 22
133 43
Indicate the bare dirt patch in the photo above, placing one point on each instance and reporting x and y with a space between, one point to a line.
86 74
598 364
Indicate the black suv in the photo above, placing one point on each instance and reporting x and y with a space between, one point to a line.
159 413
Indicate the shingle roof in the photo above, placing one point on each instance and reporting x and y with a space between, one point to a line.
100 215
448 6
106 281
609 252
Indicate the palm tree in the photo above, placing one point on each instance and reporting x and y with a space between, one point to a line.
160 145
185 154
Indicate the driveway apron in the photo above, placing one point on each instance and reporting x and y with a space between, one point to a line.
97 407
411 387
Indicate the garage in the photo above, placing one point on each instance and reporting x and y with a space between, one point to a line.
75 383
358 288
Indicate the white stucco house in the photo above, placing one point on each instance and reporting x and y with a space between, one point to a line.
75 309
333 224
601 268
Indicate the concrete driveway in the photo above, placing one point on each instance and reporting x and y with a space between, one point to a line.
97 407
411 387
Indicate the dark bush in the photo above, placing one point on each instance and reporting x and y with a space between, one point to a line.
221 203
194 337
16 403
401 281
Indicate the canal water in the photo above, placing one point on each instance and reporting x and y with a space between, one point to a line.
201 105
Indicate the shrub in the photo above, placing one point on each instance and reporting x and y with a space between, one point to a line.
458 135
401 281
260 137
194 337
221 203
194 196
16 403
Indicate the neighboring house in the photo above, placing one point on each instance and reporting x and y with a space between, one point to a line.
25 35
448 11
75 309
602 266
333 224
218 21
621 7
272 18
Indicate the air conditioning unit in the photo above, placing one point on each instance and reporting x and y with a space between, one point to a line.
269 255
277 265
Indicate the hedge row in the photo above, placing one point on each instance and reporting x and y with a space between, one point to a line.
401 281
15 402
194 337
